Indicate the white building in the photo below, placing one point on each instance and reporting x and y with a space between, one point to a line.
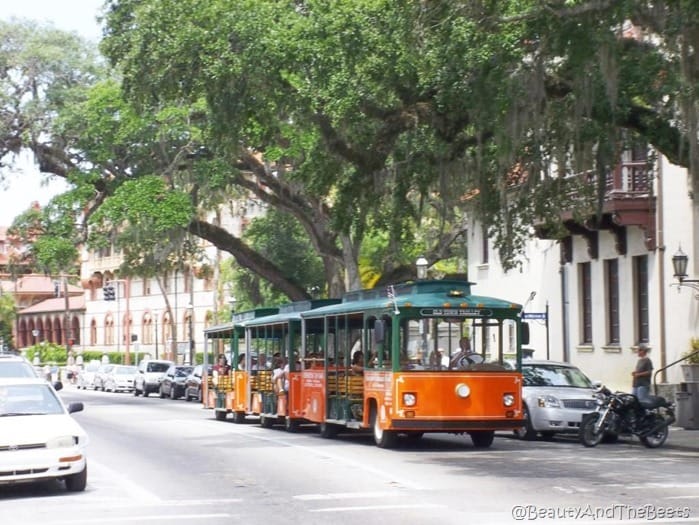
609 285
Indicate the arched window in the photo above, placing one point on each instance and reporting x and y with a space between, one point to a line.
109 330
93 332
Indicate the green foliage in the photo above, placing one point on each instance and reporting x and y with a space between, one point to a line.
281 240
8 314
146 221
48 353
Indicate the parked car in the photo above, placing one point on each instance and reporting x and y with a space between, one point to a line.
86 377
555 396
39 439
192 383
120 378
101 376
150 373
172 384
13 365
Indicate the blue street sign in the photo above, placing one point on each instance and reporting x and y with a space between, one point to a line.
541 316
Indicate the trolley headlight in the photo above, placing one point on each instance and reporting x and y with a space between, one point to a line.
462 390
409 399
508 400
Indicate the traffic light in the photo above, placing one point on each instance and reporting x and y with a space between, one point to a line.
109 292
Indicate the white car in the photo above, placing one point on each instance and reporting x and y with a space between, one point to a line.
149 375
120 378
86 377
39 439
555 395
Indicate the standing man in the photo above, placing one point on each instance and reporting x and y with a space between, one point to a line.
640 386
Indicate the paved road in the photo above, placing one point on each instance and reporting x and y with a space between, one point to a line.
160 461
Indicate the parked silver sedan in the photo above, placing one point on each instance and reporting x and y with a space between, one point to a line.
120 378
555 395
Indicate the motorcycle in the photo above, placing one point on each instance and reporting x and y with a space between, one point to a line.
619 413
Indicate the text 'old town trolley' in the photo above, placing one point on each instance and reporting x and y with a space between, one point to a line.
424 356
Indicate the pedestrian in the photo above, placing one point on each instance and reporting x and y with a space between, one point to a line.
221 369
640 387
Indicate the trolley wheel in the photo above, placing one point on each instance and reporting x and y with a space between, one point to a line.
220 415
328 430
239 417
266 421
291 425
382 438
482 438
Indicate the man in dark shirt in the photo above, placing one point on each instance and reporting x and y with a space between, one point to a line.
640 386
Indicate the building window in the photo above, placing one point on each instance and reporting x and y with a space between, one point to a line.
93 332
109 330
611 278
585 303
640 277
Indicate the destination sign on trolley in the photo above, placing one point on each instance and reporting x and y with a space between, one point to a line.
456 312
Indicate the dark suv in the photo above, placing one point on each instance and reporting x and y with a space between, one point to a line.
149 375
172 384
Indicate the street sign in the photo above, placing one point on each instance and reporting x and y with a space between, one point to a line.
540 316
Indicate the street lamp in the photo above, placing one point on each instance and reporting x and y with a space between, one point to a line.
155 320
421 265
679 265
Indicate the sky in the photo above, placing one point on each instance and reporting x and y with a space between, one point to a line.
23 185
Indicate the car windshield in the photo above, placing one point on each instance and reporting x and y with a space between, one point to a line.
158 367
183 372
126 370
554 375
23 400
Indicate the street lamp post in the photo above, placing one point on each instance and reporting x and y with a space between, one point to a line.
679 265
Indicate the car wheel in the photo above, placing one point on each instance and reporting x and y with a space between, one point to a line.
161 392
527 431
135 391
77 482
199 396
187 397
173 393
145 391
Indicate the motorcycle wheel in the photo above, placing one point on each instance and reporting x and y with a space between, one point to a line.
587 434
655 439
